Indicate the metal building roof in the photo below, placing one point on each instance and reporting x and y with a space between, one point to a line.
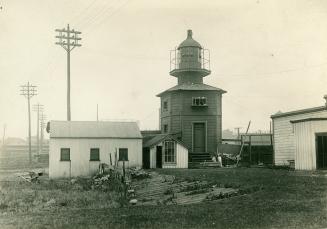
193 87
94 129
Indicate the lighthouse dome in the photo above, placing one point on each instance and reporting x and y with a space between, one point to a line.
189 41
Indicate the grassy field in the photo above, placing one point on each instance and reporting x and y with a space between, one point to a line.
279 199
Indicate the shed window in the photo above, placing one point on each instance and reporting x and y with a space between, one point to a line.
65 154
170 154
199 101
95 154
123 154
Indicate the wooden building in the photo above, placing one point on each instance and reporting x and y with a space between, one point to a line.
296 137
191 111
164 151
78 147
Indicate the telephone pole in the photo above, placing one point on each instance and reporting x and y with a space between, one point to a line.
238 131
42 126
38 108
28 90
68 39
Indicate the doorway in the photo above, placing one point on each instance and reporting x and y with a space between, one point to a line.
146 158
321 155
159 157
199 137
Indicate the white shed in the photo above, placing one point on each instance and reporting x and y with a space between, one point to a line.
310 143
164 151
78 147
284 134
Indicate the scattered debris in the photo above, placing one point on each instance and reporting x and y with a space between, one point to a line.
30 176
133 201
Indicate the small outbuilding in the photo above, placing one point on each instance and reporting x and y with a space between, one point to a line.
300 137
164 151
78 147
310 143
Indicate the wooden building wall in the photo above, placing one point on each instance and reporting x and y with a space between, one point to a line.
80 164
284 140
305 143
181 115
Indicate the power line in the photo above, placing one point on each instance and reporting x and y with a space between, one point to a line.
68 40
28 91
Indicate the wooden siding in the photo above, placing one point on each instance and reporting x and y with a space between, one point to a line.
305 143
284 141
80 164
181 157
181 115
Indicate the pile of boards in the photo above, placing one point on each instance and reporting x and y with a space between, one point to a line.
166 190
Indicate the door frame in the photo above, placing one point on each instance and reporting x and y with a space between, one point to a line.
319 134
206 134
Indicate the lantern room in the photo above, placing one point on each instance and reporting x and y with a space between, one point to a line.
190 58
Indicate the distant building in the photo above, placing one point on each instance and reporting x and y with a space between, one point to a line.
191 111
301 137
78 147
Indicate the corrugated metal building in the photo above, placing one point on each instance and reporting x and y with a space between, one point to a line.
288 129
78 147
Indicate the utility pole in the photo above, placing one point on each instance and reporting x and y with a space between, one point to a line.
38 108
3 136
68 39
42 126
238 131
97 112
28 90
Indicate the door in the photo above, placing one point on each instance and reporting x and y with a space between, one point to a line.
321 151
146 158
199 137
159 157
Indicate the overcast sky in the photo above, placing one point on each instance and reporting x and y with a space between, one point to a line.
268 55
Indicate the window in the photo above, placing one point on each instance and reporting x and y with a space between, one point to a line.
123 154
65 154
170 155
165 128
95 154
199 101
165 105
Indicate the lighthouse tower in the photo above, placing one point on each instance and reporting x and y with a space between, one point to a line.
191 111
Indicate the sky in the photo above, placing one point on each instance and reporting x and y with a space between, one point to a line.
269 55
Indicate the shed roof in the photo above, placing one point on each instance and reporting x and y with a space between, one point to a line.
193 87
297 112
159 138
94 129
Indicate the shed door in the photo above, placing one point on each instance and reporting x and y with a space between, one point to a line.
321 151
146 158
199 137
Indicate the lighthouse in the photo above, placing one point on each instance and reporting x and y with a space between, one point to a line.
191 111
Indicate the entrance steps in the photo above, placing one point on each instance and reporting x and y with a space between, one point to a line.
201 160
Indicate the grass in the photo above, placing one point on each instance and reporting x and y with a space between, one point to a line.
272 199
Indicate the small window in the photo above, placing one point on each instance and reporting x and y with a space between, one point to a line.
165 105
65 154
165 128
95 154
199 101
123 154
170 155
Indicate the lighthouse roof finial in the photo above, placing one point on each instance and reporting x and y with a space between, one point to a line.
189 42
